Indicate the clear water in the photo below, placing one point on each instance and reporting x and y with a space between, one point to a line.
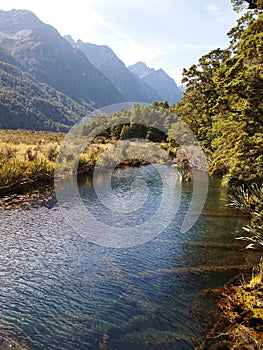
59 291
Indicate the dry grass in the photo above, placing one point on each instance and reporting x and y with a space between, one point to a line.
27 159
26 156
16 143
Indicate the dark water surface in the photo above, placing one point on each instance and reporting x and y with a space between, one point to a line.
62 292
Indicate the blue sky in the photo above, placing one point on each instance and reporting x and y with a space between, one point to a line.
168 34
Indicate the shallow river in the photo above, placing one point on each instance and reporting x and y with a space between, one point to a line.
60 291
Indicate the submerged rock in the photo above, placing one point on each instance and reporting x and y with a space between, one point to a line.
11 337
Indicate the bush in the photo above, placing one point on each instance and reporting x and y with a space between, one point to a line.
52 153
31 154
17 175
249 199
7 153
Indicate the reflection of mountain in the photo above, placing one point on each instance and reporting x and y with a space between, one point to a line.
159 81
130 85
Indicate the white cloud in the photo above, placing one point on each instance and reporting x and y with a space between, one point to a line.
212 9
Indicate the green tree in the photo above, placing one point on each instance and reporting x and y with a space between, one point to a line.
201 95
237 128
223 103
240 5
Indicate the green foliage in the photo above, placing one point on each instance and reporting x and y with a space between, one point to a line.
223 103
139 122
27 104
26 159
87 162
163 104
249 199
240 5
237 129
52 153
200 96
17 175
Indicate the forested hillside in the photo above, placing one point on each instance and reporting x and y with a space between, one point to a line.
27 104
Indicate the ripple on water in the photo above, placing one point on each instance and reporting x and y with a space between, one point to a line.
63 292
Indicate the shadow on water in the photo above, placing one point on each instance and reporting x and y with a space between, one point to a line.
63 292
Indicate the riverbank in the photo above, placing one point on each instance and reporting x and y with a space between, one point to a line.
240 319
28 158
14 344
11 338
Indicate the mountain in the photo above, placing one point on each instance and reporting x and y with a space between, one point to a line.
70 40
130 85
7 58
46 55
159 81
27 104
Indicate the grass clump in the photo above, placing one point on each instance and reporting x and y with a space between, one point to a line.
257 276
16 176
249 199
27 160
